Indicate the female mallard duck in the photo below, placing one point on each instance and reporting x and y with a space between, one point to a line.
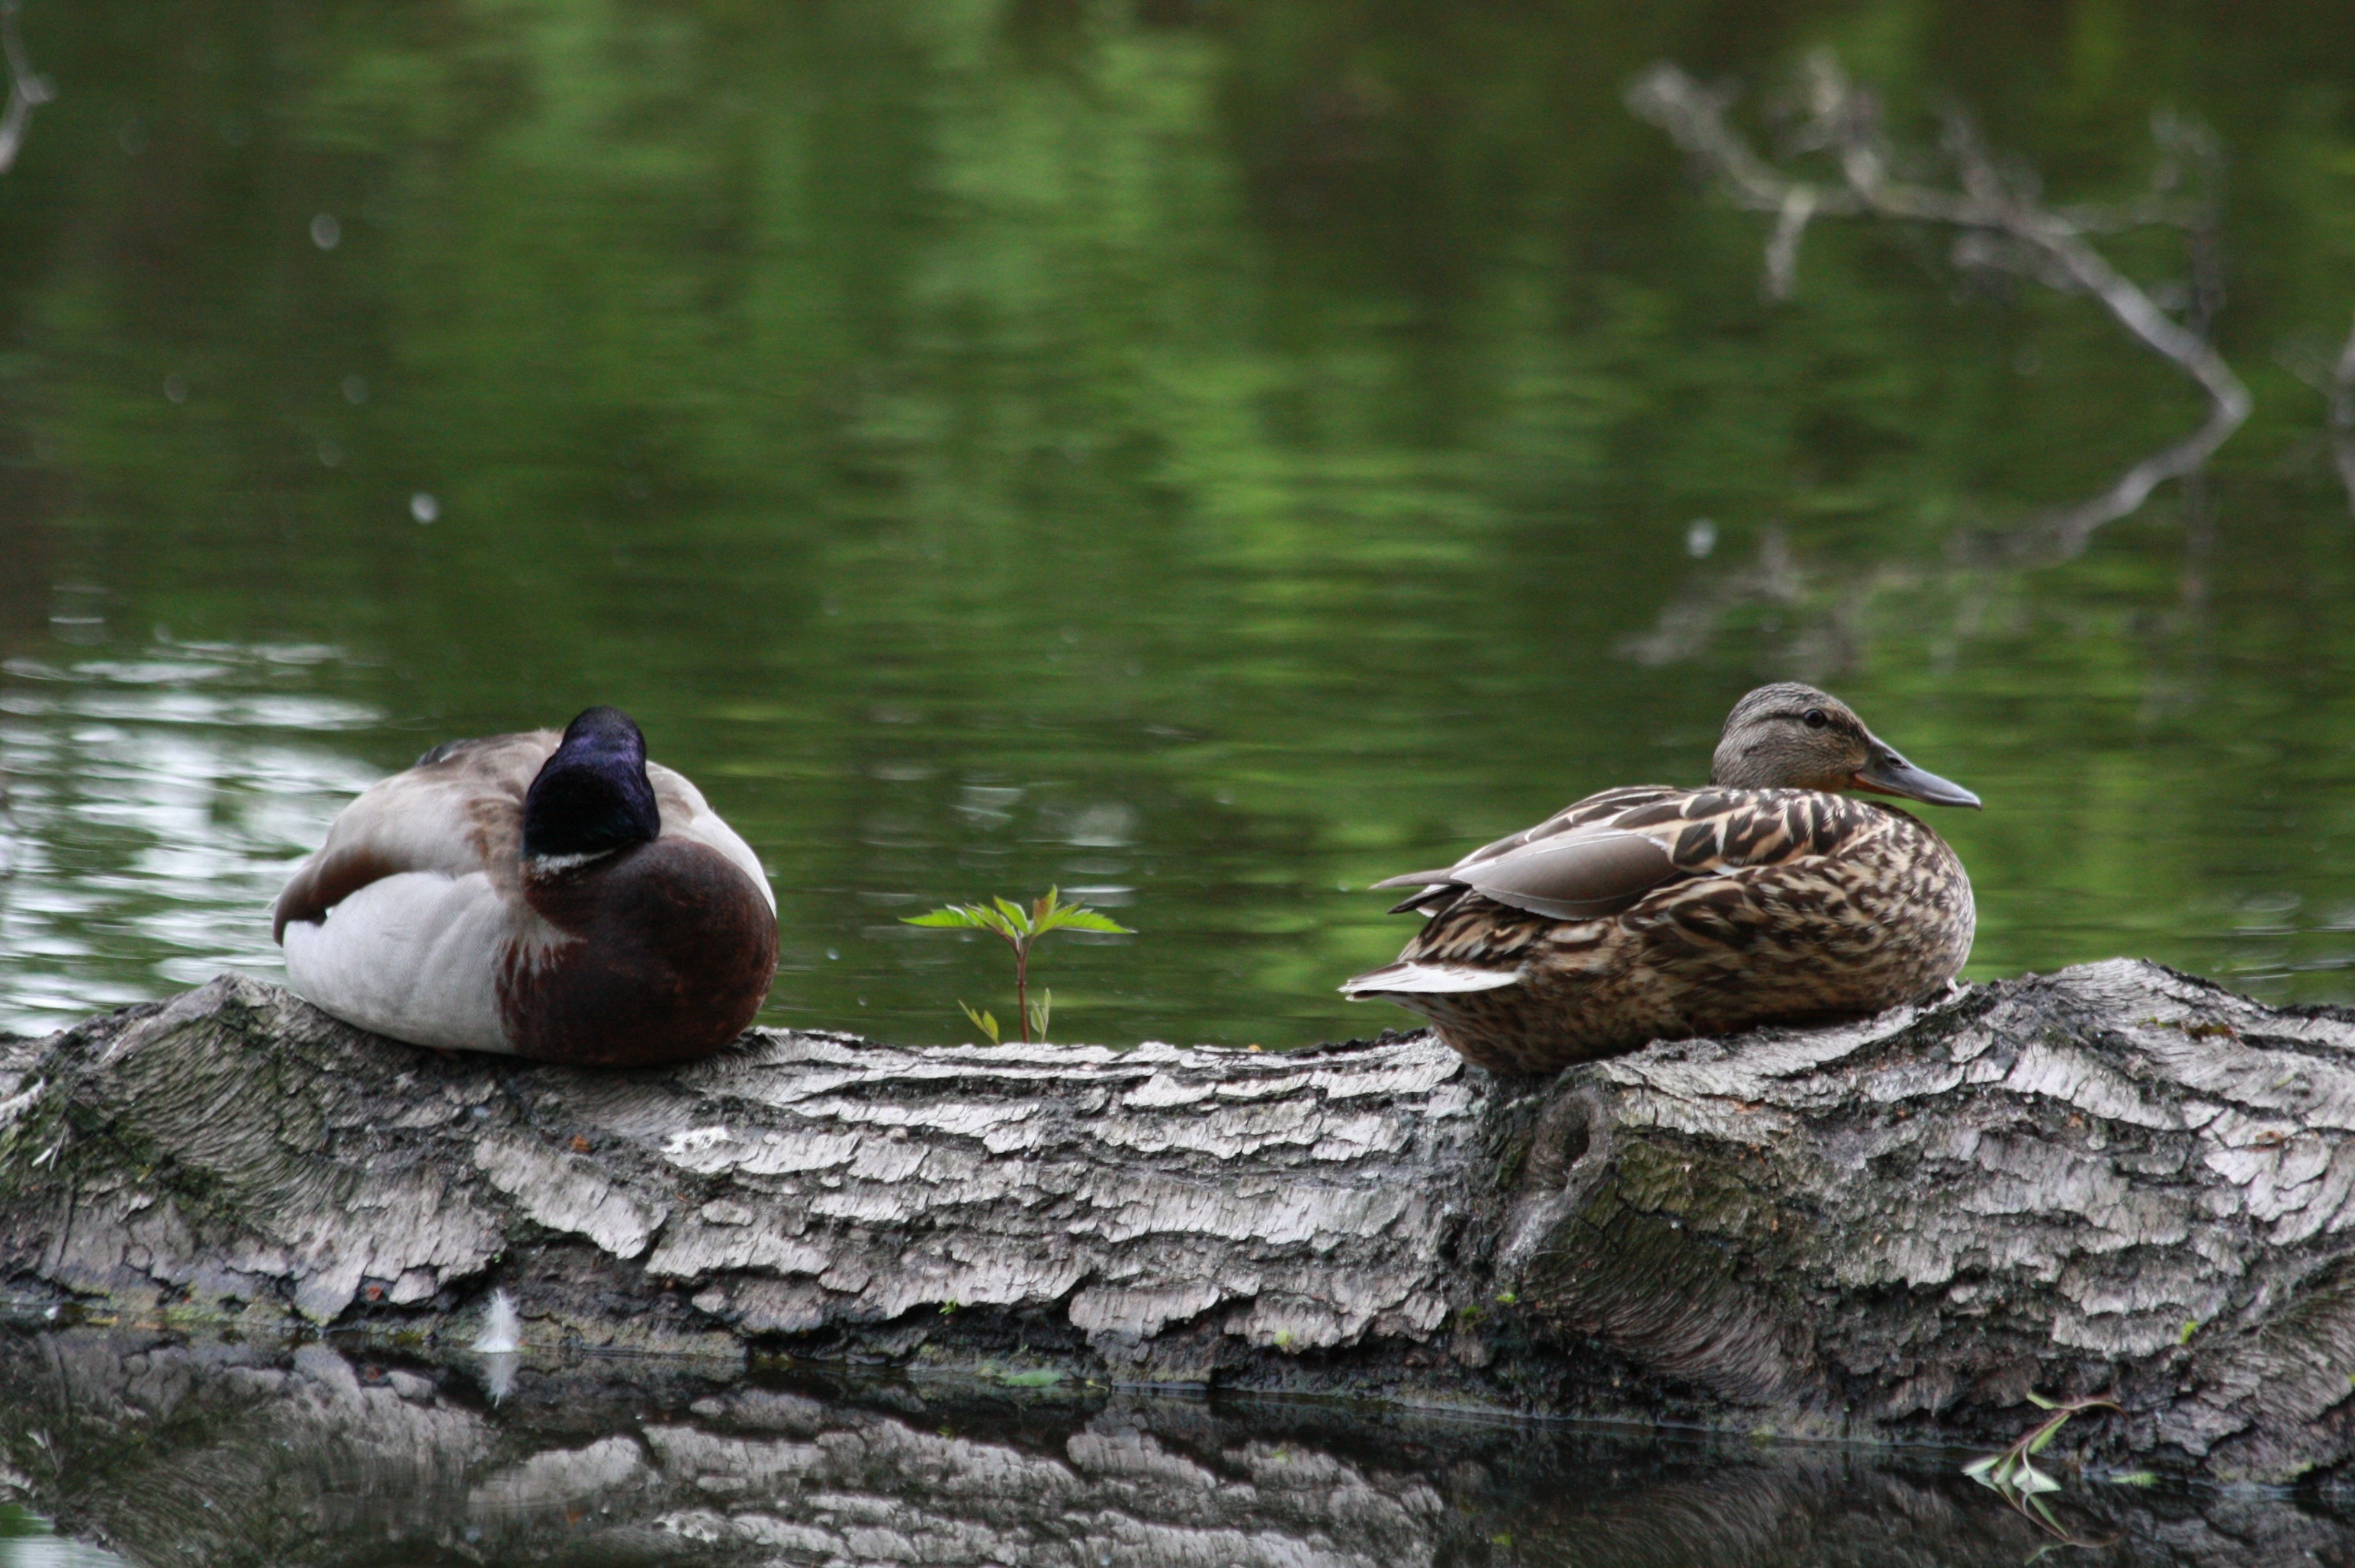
558 898
1655 913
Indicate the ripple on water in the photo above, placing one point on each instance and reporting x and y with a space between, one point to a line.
151 806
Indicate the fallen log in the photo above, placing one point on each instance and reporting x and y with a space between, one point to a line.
2117 1180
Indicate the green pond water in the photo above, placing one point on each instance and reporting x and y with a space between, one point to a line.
1205 455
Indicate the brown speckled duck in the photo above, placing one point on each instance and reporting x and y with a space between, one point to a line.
1656 913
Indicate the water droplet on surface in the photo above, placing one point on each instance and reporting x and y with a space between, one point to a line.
330 454
355 390
132 137
423 506
177 388
1701 537
326 233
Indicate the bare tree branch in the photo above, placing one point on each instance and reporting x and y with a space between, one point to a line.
27 88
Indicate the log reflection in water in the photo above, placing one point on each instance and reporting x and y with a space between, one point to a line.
175 1451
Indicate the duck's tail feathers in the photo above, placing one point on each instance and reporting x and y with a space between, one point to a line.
1395 980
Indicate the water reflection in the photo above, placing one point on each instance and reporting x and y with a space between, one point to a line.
179 1451
1230 453
151 806
26 1540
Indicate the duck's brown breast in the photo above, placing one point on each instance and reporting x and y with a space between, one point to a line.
671 954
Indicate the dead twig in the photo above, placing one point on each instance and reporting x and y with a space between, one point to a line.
27 90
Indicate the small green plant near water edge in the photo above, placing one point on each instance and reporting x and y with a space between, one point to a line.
2012 1477
1019 928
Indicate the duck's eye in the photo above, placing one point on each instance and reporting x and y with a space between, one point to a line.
1815 717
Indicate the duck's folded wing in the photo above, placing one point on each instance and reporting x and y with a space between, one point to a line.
1579 818
1574 876
686 813
1578 876
458 812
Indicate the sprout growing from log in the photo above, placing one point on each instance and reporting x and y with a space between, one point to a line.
2014 1478
1020 928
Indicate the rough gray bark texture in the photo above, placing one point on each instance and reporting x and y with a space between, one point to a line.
200 1452
2113 1181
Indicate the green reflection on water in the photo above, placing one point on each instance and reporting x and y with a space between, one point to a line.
1208 457
26 1540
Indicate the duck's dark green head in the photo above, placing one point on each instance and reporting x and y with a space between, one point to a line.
592 796
1789 736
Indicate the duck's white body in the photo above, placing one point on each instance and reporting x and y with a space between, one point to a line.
420 919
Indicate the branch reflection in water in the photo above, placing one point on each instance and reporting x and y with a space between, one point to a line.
28 89
2002 227
169 1450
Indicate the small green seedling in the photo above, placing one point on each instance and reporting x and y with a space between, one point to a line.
2012 1476
1020 928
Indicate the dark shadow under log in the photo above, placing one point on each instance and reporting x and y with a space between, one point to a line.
2115 1180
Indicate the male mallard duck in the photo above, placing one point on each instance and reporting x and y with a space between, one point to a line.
558 898
1655 913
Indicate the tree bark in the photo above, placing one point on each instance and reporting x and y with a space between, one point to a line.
2116 1180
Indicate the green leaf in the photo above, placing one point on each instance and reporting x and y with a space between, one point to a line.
1043 1377
1017 918
951 916
985 1021
2040 1403
1978 1469
1040 1011
2033 1481
1078 917
2048 1432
